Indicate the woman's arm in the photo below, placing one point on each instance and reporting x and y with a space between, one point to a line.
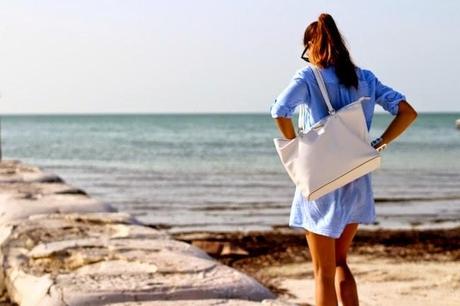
287 101
406 115
286 127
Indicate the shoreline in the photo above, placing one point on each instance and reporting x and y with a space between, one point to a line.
419 243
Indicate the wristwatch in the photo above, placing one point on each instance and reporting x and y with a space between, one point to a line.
377 141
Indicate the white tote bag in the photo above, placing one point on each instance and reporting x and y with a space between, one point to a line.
333 152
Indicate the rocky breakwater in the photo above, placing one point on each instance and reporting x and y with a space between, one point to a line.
61 247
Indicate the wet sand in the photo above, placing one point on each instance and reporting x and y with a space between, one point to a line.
391 267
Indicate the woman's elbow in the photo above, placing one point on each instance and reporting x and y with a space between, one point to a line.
407 110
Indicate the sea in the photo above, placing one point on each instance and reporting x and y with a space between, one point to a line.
220 172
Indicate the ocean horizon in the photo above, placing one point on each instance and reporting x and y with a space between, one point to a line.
220 171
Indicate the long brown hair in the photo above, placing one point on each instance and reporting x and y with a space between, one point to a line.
326 47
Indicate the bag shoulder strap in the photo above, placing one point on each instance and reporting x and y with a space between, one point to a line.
322 87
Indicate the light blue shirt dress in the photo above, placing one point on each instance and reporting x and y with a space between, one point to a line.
354 202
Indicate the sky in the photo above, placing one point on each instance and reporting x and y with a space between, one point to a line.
211 56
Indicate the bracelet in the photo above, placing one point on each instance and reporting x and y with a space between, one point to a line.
376 141
382 147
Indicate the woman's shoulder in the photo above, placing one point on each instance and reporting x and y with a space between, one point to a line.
365 74
303 73
306 73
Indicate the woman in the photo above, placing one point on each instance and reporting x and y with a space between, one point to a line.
332 220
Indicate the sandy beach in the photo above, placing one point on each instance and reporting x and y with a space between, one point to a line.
391 267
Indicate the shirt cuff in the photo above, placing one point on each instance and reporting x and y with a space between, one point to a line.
277 111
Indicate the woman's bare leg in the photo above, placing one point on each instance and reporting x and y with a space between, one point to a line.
322 250
345 284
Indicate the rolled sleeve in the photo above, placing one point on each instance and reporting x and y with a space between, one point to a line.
387 97
292 96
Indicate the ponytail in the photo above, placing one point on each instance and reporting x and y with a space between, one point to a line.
327 48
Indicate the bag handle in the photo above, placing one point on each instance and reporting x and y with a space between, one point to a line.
322 87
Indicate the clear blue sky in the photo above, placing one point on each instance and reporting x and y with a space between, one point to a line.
211 56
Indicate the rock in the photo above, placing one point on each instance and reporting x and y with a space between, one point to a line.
210 247
83 264
220 248
230 249
14 207
61 247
